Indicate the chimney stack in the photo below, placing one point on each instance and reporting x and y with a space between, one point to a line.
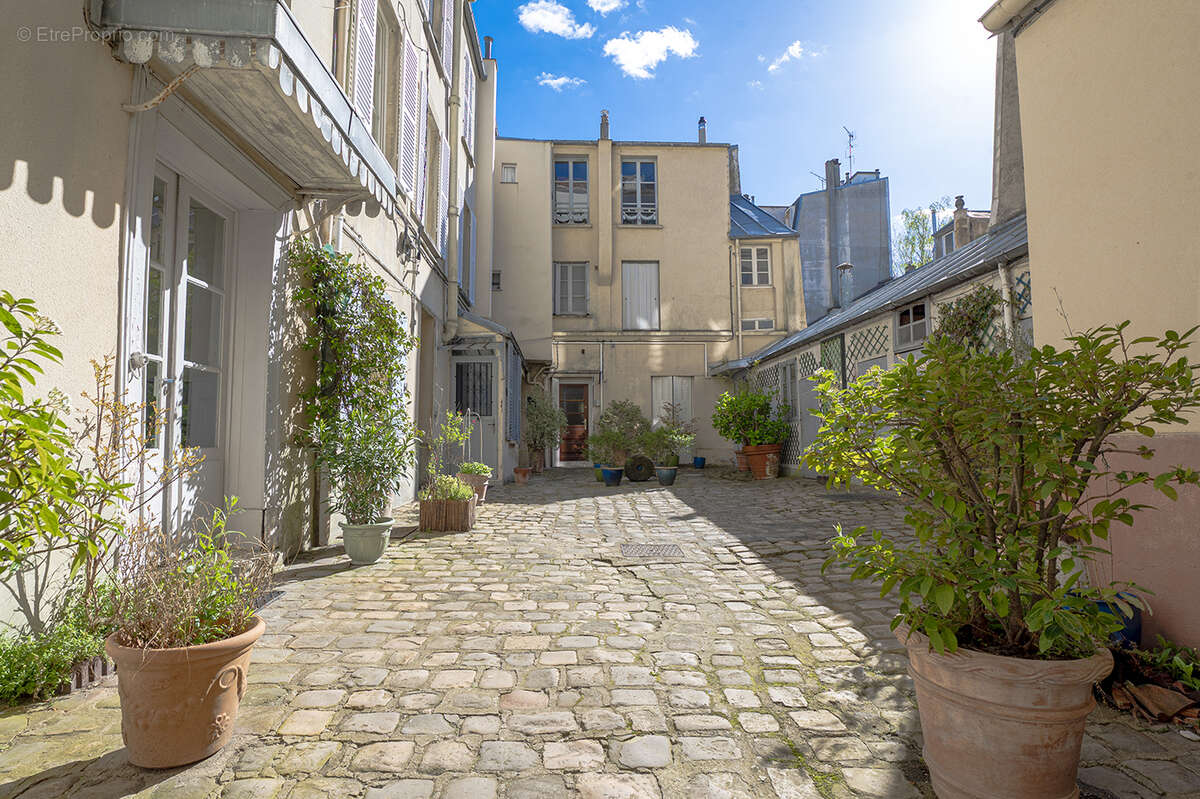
604 124
487 46
833 170
703 130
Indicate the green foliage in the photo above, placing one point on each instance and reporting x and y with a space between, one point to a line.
913 241
544 421
751 418
38 480
680 432
1182 663
446 487
174 594
475 467
1004 465
453 433
356 412
618 431
33 667
608 447
968 319
657 445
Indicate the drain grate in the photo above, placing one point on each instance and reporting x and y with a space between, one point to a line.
651 550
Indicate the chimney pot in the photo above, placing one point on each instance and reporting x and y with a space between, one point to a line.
958 202
703 131
604 124
487 46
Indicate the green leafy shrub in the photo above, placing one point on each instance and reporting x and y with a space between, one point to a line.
680 432
475 467
1182 663
544 422
1004 465
657 445
356 412
618 431
751 418
33 667
445 487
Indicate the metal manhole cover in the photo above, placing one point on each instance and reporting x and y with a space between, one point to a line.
651 551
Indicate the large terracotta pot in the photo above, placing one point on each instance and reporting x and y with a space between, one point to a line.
763 460
479 482
366 543
179 705
1001 727
521 474
739 459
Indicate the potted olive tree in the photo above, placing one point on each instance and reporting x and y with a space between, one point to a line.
357 421
618 431
184 612
544 425
756 421
660 447
1004 463
610 449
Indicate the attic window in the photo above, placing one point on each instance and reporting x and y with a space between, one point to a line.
508 173
911 326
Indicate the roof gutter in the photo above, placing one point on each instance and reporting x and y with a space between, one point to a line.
1003 13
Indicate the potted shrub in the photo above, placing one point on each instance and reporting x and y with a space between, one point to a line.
756 421
544 426
681 432
357 420
1004 465
446 503
475 474
185 621
610 448
659 447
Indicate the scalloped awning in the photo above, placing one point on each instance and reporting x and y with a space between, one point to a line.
252 68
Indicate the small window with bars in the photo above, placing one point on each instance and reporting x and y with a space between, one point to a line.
571 192
756 266
473 387
570 289
496 280
758 324
911 326
508 173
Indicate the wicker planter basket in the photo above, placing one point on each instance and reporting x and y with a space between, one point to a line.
448 515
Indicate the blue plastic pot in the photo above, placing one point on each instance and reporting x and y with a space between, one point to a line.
1131 633
596 469
612 477
697 462
666 475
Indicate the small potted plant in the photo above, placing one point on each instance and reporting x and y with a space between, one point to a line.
184 617
681 432
756 421
610 448
446 502
521 474
475 474
544 426
659 447
1013 470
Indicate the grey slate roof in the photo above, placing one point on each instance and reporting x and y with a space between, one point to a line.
748 221
1005 242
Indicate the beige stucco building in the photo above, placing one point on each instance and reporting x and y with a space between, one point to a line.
1109 147
627 269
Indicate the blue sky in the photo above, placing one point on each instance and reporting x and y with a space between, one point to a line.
912 78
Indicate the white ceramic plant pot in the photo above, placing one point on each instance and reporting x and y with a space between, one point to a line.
365 543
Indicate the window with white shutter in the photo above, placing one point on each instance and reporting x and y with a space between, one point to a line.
423 156
570 289
410 136
469 104
365 16
443 214
639 286
448 37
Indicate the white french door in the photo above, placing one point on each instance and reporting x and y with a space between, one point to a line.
186 279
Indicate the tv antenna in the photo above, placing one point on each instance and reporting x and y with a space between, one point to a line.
818 177
849 149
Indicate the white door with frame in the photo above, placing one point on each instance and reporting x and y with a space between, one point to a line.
184 339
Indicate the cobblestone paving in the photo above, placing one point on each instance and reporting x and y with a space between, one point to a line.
530 658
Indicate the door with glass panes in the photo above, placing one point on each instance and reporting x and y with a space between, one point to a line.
186 282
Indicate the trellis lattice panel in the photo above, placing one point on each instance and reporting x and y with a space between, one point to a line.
870 342
1023 294
831 357
806 364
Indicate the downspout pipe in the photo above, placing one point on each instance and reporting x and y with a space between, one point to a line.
452 265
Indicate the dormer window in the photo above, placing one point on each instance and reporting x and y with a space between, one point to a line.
911 326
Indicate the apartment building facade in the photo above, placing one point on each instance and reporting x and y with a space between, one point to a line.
626 269
149 204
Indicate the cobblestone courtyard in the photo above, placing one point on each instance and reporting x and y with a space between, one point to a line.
535 657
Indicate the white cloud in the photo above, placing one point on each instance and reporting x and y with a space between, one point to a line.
638 54
549 16
795 51
606 7
559 82
755 84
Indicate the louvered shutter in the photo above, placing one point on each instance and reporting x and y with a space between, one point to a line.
640 288
364 59
410 127
444 199
448 37
474 246
422 144
469 103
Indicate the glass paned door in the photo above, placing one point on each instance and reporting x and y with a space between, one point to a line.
189 254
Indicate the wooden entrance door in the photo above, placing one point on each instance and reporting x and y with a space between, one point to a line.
573 399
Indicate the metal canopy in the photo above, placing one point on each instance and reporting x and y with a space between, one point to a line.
252 67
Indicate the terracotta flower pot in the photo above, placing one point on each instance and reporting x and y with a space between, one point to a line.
179 705
366 543
739 458
763 460
1001 727
521 474
479 482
